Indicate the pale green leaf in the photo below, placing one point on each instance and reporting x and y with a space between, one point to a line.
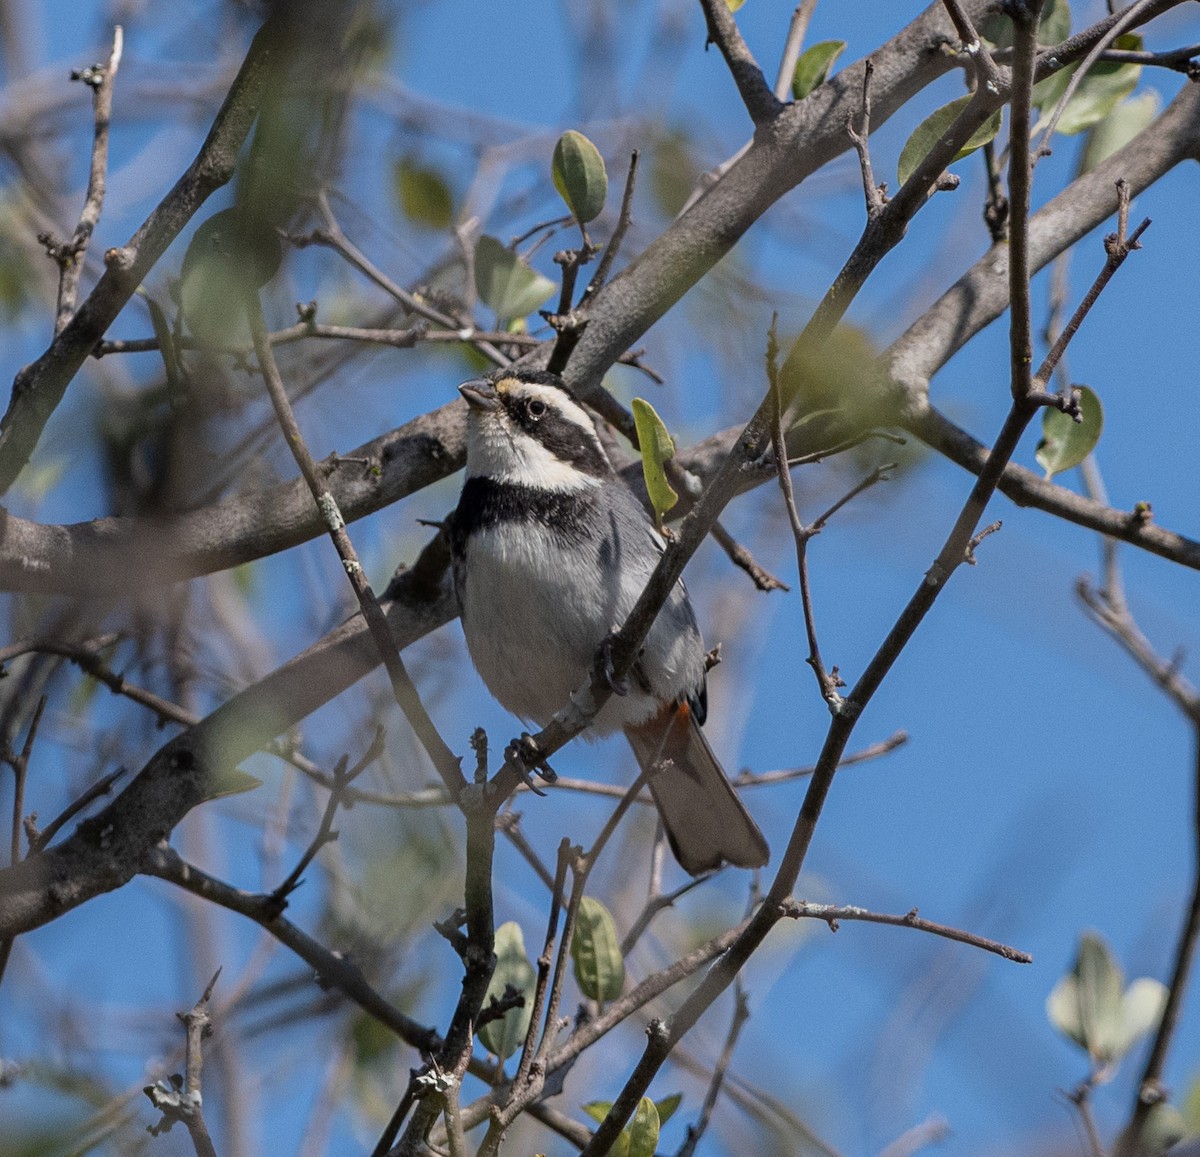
1062 1009
734 5
597 1110
423 194
1141 1009
1101 90
1189 1106
1117 129
596 951
933 128
1101 983
657 449
505 284
643 1130
812 69
505 1035
1065 443
579 176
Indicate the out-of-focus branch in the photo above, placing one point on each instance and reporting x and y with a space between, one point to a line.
39 387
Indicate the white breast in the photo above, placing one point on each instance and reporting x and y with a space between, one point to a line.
532 629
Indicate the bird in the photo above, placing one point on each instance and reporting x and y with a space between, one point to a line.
550 551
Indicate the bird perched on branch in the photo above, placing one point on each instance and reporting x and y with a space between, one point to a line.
551 551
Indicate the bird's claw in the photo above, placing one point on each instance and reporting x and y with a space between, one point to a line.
526 751
606 669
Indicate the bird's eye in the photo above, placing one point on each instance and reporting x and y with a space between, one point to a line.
535 407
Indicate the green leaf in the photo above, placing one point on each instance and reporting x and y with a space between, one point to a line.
1117 129
596 951
597 1110
934 127
1101 90
423 194
232 781
504 1036
1065 442
658 448
667 1106
579 176
230 256
643 1130
1189 1106
505 284
1164 1128
734 5
812 69
1054 28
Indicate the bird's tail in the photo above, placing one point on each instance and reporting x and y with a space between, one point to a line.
705 820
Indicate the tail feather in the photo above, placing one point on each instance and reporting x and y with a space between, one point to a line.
706 822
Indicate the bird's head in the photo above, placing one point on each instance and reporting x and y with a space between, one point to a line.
524 427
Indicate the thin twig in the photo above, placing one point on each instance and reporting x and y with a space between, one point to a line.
985 67
741 1014
102 786
797 30
100 78
184 1102
624 217
860 139
833 914
443 758
342 779
761 102
762 578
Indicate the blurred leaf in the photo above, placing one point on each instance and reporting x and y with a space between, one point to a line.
1054 28
39 478
933 128
734 5
232 781
667 1106
374 1043
1141 1009
812 69
504 1036
828 393
596 951
1065 443
658 448
643 1130
17 282
597 1110
1117 129
1190 1106
579 176
505 284
673 172
230 256
1091 1005
423 194
1164 1127
1101 90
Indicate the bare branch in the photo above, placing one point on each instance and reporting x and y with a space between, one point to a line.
761 103
101 80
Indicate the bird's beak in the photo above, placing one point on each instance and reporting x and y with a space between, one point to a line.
480 394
